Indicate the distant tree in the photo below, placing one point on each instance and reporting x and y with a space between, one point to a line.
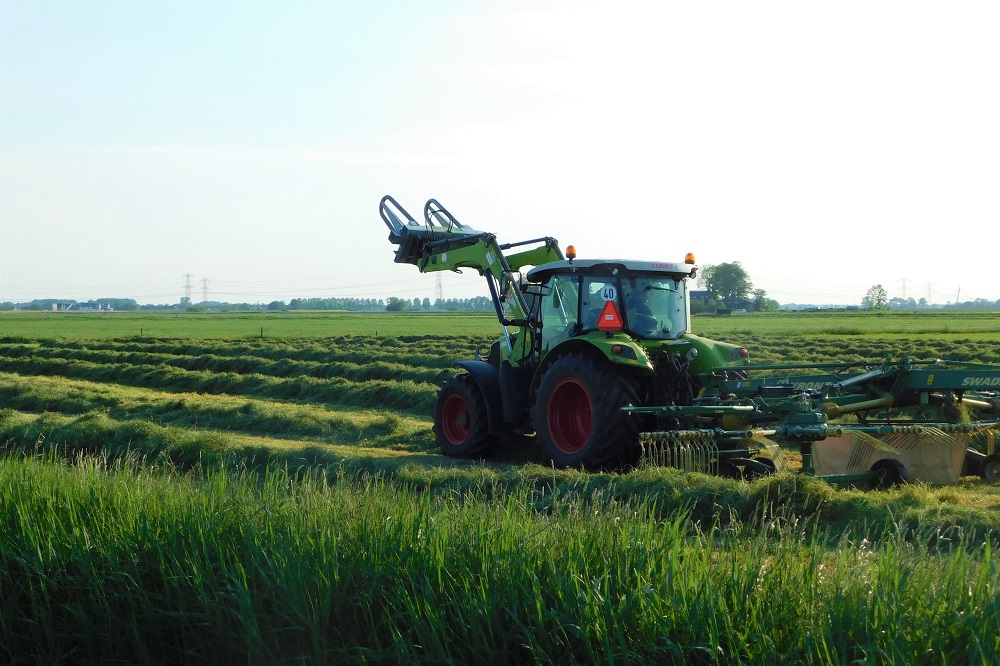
126 304
277 305
426 305
728 281
762 303
875 299
394 304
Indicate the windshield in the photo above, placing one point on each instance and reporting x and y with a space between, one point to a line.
655 307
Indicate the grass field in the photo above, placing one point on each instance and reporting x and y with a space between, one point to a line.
305 324
209 495
246 325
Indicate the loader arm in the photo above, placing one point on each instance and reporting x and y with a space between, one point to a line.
442 243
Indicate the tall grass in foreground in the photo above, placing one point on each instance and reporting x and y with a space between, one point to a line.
106 563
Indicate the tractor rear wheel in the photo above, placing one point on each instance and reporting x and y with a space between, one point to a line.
461 426
578 413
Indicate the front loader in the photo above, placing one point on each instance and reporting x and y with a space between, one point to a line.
598 359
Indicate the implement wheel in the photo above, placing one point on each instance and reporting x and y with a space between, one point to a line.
758 467
991 468
727 469
892 474
460 422
578 414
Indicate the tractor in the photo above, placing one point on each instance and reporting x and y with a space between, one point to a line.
598 360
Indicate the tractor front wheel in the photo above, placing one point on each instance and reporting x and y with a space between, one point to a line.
578 413
461 426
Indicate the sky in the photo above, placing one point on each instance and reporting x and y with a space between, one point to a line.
243 147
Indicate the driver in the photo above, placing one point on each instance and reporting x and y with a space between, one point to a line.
638 302
640 314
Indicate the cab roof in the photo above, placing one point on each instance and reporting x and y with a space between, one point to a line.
604 266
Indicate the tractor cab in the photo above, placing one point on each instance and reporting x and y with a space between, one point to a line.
646 300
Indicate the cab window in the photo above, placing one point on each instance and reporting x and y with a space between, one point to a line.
559 311
655 307
596 292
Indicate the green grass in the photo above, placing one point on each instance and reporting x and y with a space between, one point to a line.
312 325
116 563
207 495
404 457
942 324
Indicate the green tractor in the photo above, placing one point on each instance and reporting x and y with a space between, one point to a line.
598 360
583 339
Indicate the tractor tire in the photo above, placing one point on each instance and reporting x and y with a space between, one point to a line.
578 414
991 468
461 426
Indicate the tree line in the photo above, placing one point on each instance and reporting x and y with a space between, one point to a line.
876 298
724 286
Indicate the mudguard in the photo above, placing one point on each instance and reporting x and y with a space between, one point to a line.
488 379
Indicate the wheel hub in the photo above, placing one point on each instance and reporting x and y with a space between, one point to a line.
455 419
570 416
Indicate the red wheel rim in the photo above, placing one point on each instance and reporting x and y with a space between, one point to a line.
455 419
570 418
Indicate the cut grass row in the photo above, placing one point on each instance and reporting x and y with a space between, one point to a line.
117 563
837 349
405 387
429 355
372 369
403 395
420 351
195 411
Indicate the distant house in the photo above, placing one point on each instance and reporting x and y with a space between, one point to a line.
703 296
91 306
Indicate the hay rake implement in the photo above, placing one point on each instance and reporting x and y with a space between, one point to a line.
931 421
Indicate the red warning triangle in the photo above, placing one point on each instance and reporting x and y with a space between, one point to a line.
610 318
